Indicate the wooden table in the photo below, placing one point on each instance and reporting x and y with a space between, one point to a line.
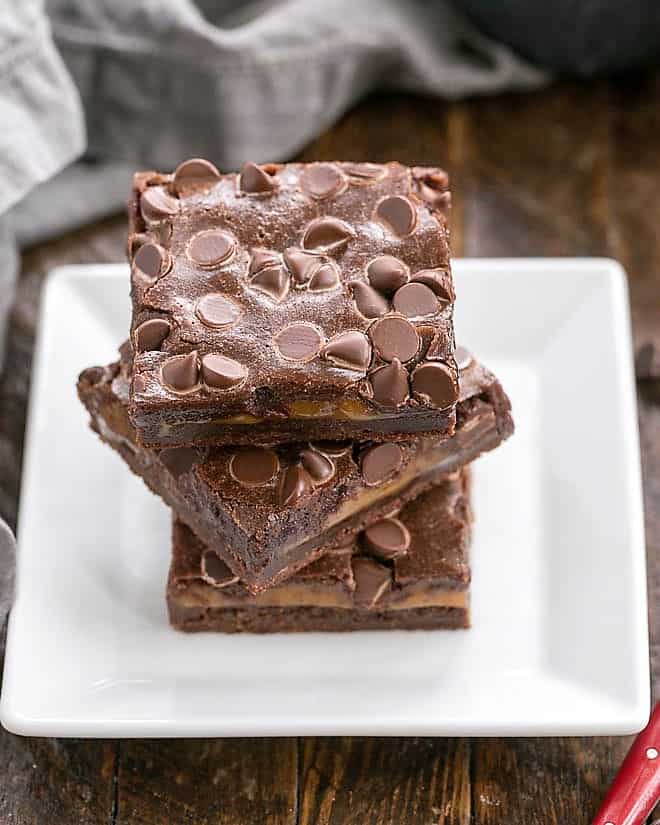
574 170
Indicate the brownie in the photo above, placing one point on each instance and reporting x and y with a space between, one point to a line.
409 571
269 511
290 302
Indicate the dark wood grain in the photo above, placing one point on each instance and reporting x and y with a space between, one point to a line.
207 782
635 206
569 171
375 781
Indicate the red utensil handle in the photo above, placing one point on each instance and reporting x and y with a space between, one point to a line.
636 787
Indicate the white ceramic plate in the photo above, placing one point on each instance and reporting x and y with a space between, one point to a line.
559 642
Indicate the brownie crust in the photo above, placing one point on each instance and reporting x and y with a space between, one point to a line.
269 512
289 302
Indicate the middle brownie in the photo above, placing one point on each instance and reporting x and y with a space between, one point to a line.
269 511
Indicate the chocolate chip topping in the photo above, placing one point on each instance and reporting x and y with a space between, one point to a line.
387 274
326 277
389 384
151 334
388 538
381 462
222 373
215 310
394 337
179 460
216 571
211 248
273 281
437 280
362 173
181 372
302 265
254 179
333 448
435 382
398 213
415 301
299 342
463 358
321 180
194 175
152 260
327 234
157 205
319 466
368 301
432 186
254 467
350 350
261 258
295 483
371 581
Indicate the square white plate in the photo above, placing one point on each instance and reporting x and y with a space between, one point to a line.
559 642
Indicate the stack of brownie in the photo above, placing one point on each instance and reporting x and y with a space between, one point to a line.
291 389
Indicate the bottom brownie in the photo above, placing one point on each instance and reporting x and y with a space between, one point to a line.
314 619
409 571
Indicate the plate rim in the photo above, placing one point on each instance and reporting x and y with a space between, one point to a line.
625 718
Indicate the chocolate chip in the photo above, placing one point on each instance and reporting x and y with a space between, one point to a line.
432 187
435 382
179 460
181 372
370 303
299 342
152 260
333 448
388 538
371 581
326 277
211 248
381 462
216 571
254 179
295 483
437 280
389 384
157 205
398 213
463 358
394 337
151 334
350 350
319 466
302 265
364 172
139 385
273 281
216 310
135 241
415 301
327 234
321 180
254 467
261 258
387 274
222 373
194 175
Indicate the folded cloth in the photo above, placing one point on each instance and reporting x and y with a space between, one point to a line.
233 80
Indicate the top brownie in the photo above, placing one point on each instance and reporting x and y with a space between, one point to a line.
290 301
